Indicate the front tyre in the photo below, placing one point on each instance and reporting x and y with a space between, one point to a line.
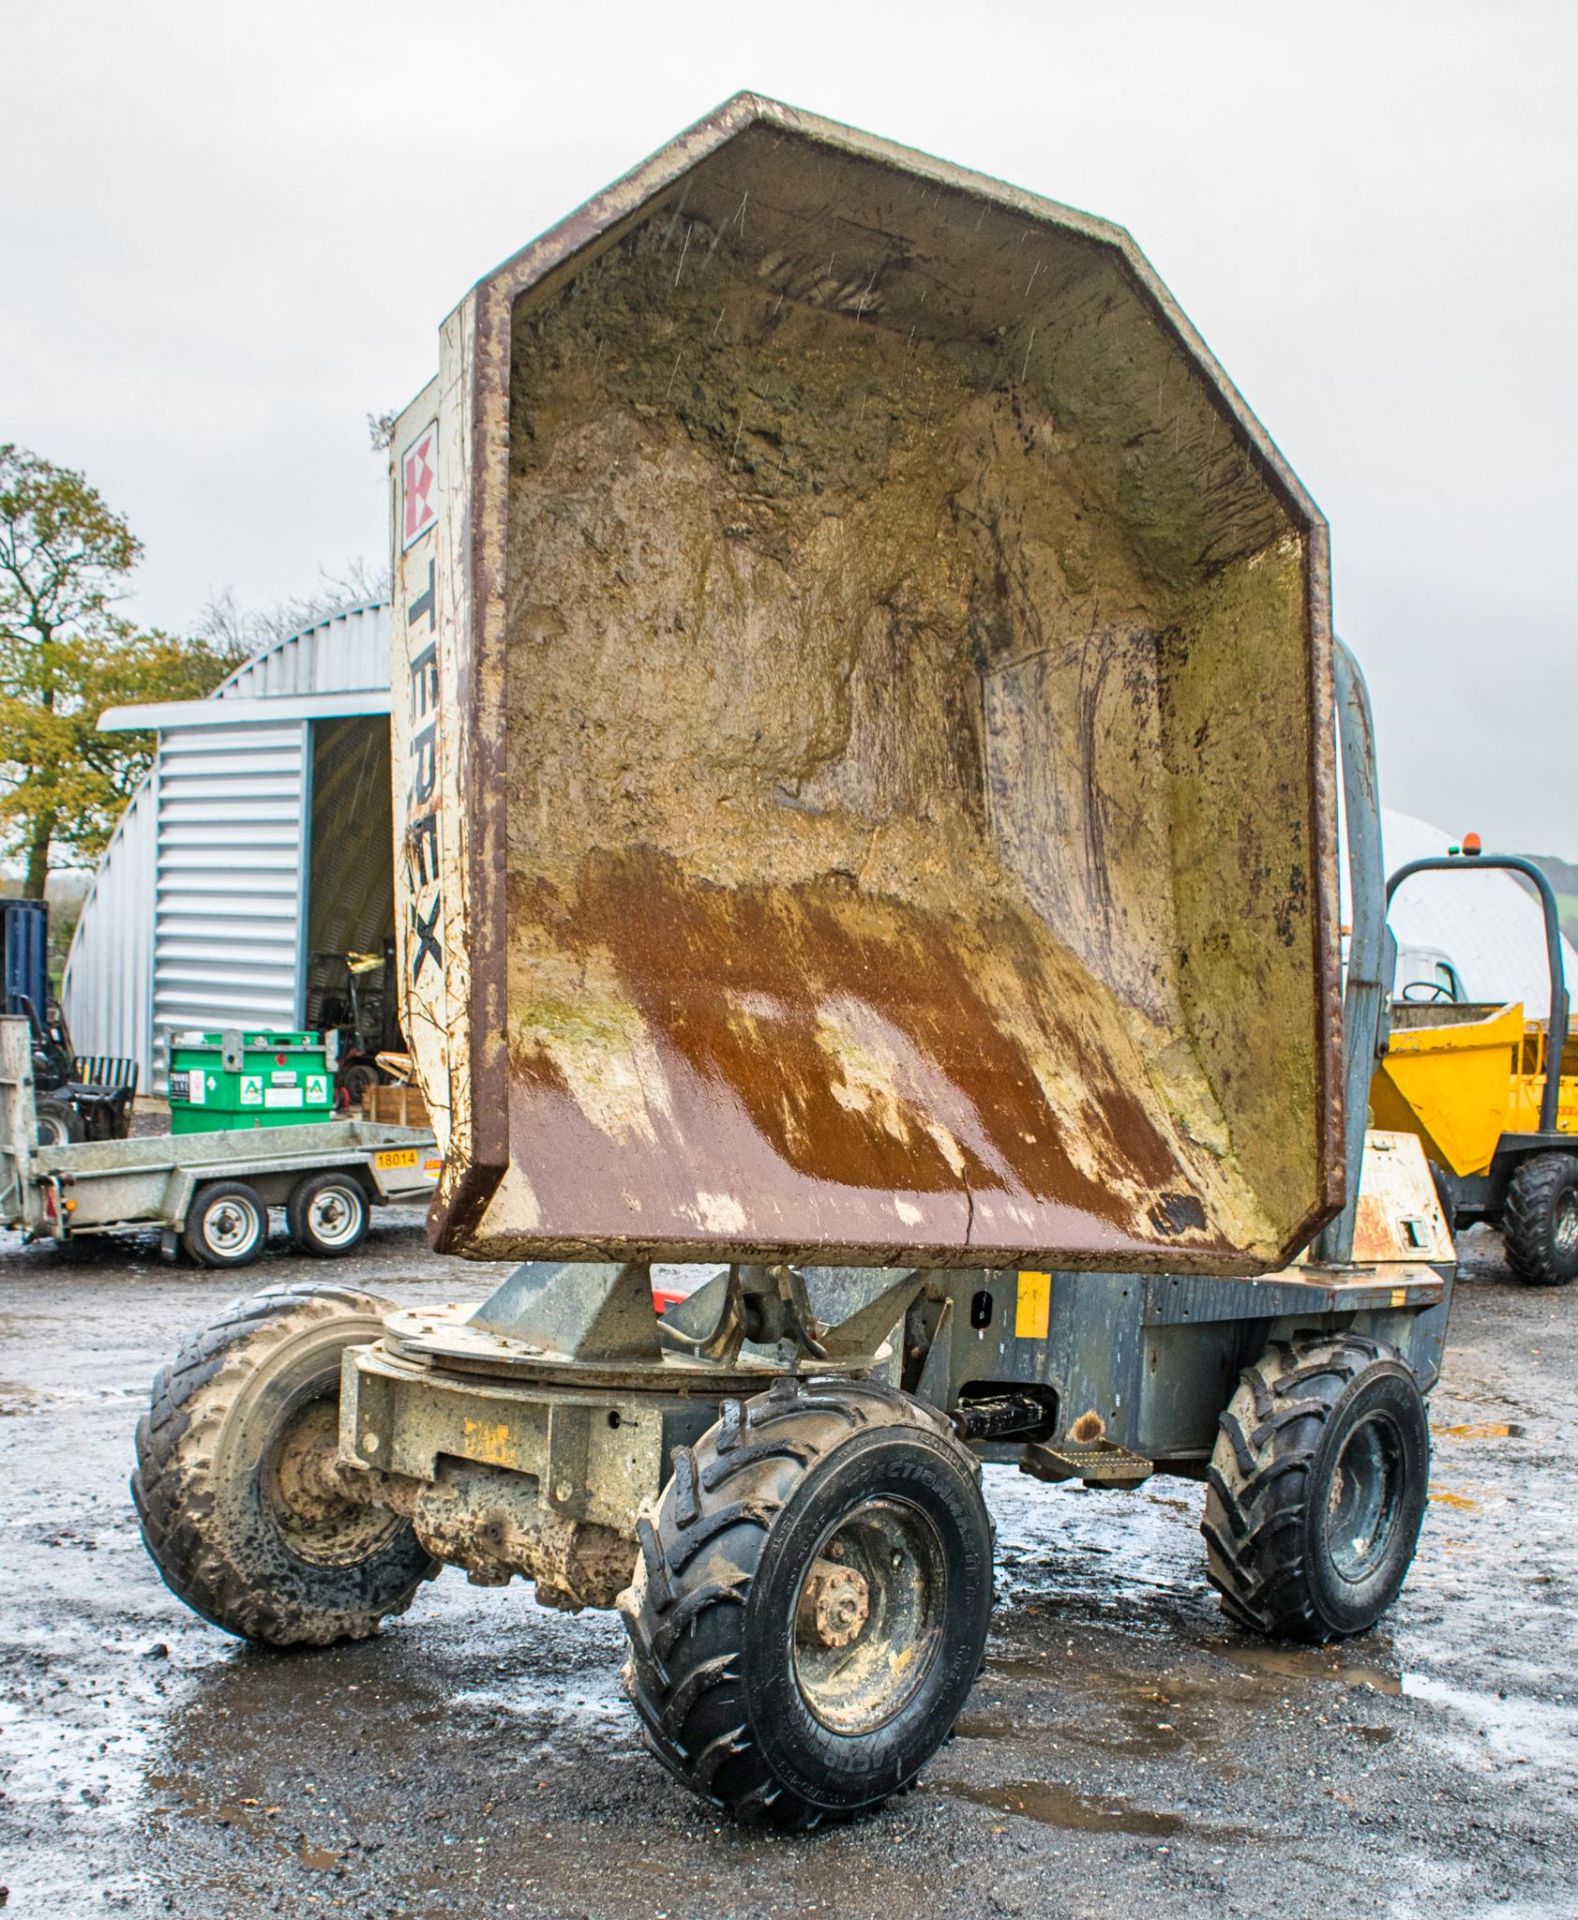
1317 1488
1539 1221
811 1603
241 1506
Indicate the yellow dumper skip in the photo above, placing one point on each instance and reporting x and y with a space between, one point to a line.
1460 1084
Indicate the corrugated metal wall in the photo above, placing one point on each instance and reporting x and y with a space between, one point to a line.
228 879
105 986
194 916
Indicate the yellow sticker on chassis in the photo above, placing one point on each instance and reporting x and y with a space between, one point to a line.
395 1157
1033 1307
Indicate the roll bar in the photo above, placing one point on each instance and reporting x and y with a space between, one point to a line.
1515 863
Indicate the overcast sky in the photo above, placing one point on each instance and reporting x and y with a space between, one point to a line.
230 233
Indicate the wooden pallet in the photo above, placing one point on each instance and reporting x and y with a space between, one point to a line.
395 1106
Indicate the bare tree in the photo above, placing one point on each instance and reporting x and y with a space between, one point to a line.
224 621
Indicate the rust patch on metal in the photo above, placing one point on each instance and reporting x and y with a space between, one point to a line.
851 1030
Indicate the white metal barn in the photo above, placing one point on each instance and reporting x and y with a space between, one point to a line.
260 840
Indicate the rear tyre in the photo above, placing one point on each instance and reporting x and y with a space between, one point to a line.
1539 1221
328 1214
59 1123
226 1225
811 1601
236 1488
1317 1488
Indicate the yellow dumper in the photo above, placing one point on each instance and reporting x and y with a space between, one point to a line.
1496 1114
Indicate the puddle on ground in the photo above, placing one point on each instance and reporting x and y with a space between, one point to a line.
1143 1743
1289 1664
1054 1805
1250 1661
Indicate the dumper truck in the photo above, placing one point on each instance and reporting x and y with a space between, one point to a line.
866 787
1492 1098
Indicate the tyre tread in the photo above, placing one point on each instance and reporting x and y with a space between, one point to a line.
683 1673
1267 1441
175 1439
1526 1219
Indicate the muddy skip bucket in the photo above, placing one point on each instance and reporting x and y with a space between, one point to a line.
863 782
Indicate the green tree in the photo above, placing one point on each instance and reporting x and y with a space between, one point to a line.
65 655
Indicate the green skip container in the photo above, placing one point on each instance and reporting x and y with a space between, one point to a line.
221 1082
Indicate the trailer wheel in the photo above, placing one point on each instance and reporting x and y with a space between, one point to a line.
59 1123
1317 1488
235 1484
226 1225
810 1606
328 1214
1539 1221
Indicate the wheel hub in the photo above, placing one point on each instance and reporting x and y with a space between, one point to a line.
229 1226
307 1499
834 1605
1365 1493
331 1216
868 1622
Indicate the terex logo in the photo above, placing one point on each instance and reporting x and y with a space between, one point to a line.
424 903
419 487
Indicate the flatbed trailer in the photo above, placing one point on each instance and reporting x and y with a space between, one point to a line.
208 1193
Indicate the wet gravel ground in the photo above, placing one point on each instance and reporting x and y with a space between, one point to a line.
1124 1751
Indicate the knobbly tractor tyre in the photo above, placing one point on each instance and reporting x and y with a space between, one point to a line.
328 1215
1539 1220
235 1484
811 1601
226 1225
1317 1488
58 1123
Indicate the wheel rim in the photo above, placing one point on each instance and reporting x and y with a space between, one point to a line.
231 1225
869 1615
1564 1228
1364 1498
304 1497
334 1216
51 1133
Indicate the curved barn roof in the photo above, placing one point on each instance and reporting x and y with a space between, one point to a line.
346 653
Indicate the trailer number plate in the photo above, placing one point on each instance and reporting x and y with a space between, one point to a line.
1033 1306
395 1157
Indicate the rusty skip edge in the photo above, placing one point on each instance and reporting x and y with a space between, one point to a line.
466 576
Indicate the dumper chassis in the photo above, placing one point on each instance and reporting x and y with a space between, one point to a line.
784 1044
787 1512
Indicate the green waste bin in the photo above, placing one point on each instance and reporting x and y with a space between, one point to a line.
230 1080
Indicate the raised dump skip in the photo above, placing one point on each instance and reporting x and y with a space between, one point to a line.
865 784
